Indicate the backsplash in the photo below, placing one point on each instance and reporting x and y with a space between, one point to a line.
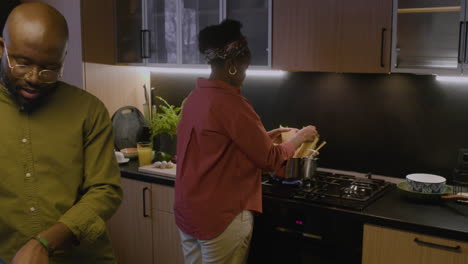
387 124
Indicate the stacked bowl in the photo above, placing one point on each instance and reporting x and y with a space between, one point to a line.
425 183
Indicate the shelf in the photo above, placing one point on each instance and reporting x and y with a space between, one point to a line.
443 9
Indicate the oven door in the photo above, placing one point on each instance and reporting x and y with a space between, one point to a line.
291 233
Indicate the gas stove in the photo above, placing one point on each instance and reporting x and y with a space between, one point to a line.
331 189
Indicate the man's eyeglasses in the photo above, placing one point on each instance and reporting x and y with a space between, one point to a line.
26 71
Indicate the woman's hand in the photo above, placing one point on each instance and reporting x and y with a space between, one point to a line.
275 134
306 134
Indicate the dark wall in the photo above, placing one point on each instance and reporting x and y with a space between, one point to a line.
5 8
385 124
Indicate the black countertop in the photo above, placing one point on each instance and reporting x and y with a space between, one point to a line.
443 219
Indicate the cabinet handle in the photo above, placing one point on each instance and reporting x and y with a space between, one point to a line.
144 43
144 202
460 42
308 235
465 58
147 43
434 245
382 44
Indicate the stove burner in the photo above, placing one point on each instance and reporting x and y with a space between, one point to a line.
328 188
296 182
358 190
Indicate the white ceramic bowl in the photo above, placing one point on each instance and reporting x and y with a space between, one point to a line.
425 183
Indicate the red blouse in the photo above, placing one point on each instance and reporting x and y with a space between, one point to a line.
222 147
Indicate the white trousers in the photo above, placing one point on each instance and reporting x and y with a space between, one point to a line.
231 246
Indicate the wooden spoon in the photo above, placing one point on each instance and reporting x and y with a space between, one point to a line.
455 197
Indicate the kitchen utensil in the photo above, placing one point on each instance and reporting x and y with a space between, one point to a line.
293 169
455 197
130 153
127 123
425 183
120 157
321 145
304 150
300 168
146 105
312 153
405 191
309 167
300 152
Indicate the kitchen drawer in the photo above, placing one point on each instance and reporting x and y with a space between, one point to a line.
385 245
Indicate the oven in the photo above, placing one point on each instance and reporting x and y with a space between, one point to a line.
298 226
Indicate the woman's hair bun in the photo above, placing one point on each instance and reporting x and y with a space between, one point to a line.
218 36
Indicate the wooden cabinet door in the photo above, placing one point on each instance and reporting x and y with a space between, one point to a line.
365 29
98 34
130 228
390 246
167 247
305 35
332 35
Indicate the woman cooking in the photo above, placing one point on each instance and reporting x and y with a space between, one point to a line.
222 148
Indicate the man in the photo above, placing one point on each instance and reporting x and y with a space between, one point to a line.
59 180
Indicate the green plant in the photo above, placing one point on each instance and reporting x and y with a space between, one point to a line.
166 119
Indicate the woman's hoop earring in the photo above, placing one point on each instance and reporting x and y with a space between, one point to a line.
232 72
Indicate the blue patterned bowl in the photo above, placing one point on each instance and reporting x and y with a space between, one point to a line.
425 183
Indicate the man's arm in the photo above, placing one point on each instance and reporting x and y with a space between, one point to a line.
100 190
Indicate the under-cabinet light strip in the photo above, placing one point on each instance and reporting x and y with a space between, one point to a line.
454 79
271 73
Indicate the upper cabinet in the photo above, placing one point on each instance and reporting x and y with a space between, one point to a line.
332 36
164 32
430 36
255 15
129 24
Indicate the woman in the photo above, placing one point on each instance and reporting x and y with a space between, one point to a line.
222 148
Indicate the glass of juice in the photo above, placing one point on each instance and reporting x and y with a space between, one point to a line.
145 153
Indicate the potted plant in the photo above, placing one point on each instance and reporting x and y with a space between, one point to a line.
163 126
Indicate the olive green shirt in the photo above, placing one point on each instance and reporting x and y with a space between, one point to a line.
57 164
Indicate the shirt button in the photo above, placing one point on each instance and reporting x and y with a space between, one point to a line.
24 140
28 174
32 209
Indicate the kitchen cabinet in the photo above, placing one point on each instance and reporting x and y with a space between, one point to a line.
385 245
131 228
143 229
332 36
430 36
129 34
98 31
165 233
164 33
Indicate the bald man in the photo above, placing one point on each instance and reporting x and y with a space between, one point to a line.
59 180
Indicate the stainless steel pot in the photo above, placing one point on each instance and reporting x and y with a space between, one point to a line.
301 168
